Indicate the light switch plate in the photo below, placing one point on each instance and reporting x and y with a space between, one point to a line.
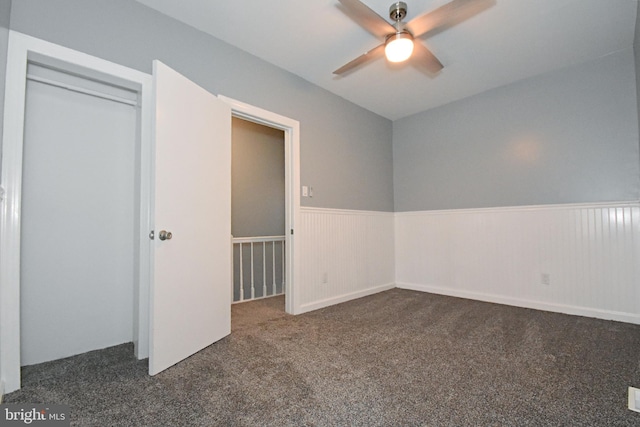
305 191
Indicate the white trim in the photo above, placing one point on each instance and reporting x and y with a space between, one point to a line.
256 299
316 305
82 90
23 49
518 302
259 239
291 130
146 224
631 203
333 211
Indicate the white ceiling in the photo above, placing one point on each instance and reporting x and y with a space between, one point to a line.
509 41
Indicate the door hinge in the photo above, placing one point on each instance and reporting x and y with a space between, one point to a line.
292 231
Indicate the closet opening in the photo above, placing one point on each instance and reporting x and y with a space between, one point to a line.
80 215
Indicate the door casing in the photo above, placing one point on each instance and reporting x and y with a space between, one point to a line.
291 130
22 50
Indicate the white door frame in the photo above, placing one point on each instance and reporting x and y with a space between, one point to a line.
22 50
291 130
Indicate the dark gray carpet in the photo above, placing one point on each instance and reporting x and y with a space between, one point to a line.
396 358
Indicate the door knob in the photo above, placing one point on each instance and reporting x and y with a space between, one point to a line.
165 235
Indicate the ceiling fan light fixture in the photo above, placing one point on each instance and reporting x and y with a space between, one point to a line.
398 47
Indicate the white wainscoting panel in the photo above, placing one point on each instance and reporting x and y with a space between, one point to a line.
344 255
575 259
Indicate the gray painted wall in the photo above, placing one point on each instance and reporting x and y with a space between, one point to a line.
568 136
346 151
257 180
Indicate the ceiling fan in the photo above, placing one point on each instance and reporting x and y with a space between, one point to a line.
400 38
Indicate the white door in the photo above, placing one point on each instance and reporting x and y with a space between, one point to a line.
190 292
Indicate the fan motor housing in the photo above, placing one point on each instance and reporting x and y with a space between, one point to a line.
398 11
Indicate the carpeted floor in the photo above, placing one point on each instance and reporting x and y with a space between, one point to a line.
398 358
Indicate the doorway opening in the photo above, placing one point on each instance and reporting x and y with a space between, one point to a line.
291 133
257 211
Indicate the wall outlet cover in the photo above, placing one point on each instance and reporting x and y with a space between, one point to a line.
545 279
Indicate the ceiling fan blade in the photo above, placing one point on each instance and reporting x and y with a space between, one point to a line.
447 15
424 59
374 53
367 18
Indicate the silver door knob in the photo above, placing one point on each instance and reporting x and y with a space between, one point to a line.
165 235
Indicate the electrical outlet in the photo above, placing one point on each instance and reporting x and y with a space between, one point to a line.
545 279
325 277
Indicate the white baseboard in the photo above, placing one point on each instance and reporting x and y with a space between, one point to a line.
517 302
304 308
